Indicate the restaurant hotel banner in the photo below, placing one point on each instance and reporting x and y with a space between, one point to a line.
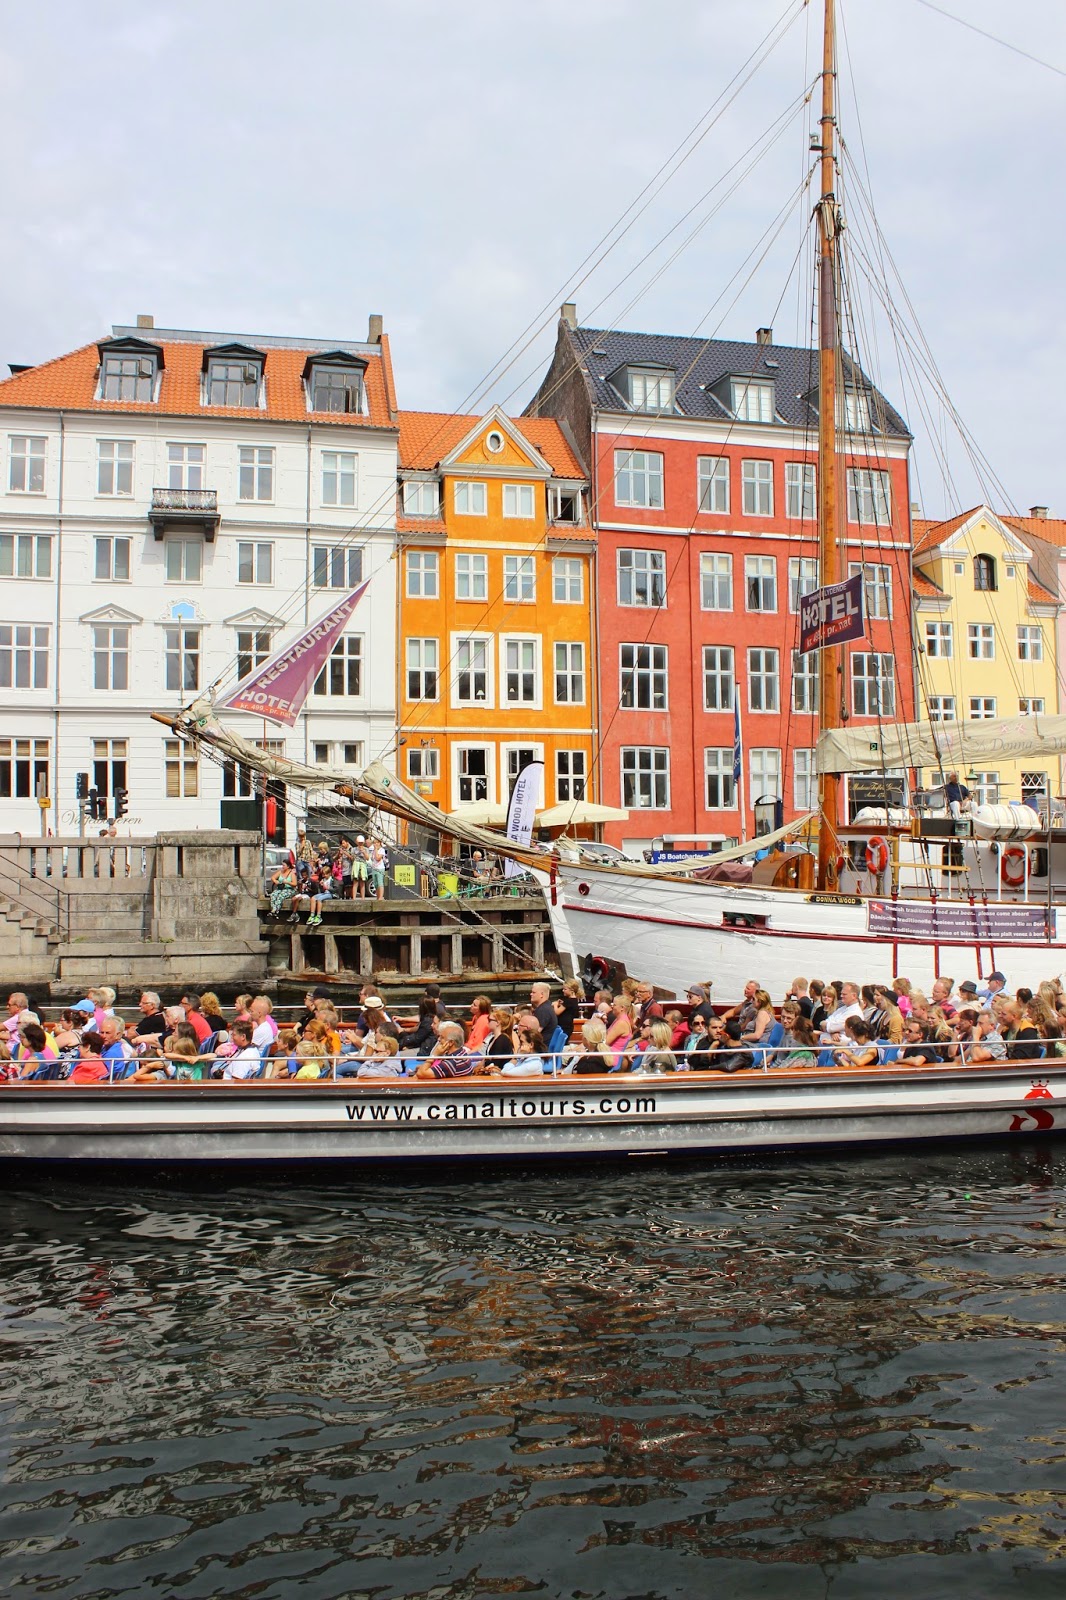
833 615
522 810
277 690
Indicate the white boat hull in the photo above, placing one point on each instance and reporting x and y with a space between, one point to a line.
561 1119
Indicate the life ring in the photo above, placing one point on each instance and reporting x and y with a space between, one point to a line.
877 854
1013 866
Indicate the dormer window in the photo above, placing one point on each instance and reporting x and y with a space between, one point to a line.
752 400
128 370
233 375
421 498
650 390
984 572
335 383
854 411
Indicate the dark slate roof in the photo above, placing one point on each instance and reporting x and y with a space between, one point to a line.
699 364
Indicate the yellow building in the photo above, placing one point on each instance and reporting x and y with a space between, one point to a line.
496 589
985 635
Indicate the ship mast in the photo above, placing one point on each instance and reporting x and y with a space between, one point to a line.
829 661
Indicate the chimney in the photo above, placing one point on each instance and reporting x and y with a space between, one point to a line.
374 332
764 336
568 313
1038 513
144 320
916 510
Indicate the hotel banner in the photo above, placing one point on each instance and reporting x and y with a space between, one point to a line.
277 690
833 615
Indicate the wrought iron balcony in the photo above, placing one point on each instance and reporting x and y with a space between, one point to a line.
184 508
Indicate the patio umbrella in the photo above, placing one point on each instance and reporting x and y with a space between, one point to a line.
479 814
573 813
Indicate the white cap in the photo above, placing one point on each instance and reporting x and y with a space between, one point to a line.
360 839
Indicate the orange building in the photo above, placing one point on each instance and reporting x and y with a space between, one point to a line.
496 599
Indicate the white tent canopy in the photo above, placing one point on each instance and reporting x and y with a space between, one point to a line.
576 813
950 745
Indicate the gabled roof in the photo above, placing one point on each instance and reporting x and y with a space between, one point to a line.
1051 529
69 383
702 363
927 535
931 536
927 589
427 437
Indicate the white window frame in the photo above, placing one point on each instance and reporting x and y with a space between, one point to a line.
520 660
764 679
519 501
983 708
802 579
568 580
422 575
256 557
869 493
757 488
510 767
760 570
183 558
488 778
519 579
876 587
873 674
471 574
423 669
107 565
638 479
27 464
571 775
569 672
469 499
255 473
421 497
340 477
638 570
805 683
253 649
712 485
336 566
719 669
804 781
645 770
801 480
1030 642
1031 705
472 654
981 641
650 390
186 465
111 656
939 640
114 464
718 769
25 556
941 708
716 580
764 773
181 770
753 400
183 650
23 762
423 764
643 677
347 660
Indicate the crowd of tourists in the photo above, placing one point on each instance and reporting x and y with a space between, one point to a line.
564 1031
352 870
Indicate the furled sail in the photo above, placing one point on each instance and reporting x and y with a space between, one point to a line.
939 745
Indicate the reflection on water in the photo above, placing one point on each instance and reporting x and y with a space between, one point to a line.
837 1378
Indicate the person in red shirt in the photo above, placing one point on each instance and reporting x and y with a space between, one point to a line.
89 1068
195 1017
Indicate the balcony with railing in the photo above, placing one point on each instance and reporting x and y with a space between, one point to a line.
185 508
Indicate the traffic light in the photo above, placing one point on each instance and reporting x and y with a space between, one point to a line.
81 786
96 807
122 804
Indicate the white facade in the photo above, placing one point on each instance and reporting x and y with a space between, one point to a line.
107 617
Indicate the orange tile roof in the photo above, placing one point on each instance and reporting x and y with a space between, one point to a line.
419 524
427 436
69 382
1040 594
1051 529
927 535
926 587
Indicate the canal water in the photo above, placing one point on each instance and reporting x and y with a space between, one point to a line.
839 1378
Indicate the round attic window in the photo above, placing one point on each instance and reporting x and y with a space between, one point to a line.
494 442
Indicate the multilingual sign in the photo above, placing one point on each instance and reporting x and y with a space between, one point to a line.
992 924
833 615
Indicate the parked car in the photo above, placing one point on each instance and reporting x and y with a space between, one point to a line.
605 855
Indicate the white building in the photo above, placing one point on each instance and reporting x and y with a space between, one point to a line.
175 505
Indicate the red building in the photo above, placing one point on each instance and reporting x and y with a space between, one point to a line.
703 458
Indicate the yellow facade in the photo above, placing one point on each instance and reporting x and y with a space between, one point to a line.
497 588
986 641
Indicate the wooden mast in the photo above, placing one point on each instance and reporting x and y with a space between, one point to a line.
829 661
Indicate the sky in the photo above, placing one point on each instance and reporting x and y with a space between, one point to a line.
454 164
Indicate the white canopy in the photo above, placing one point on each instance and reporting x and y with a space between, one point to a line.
575 813
951 745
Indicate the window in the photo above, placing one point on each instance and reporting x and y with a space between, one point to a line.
873 685
982 707
641 578
763 680
643 677
713 475
256 472
569 674
114 466
753 402
799 490
518 500
876 587
568 580
420 499
764 774
804 780
805 682
716 581
184 560
422 669
651 391
112 560
520 671
343 672
471 671
353 753
1009 571
238 781
336 566
757 481
960 568
645 778
110 761
322 753
336 388
853 410
255 562
1031 706
939 640
23 656
471 577
981 641
472 770
469 499
984 788
517 758
423 764
185 466
181 652
338 477
519 578
232 383
1030 643
182 770
253 648
27 465
128 378
111 656
984 572
570 775
718 681
802 579
941 707
23 768
25 555
638 478
564 505
423 572
719 783
760 582
1035 789
869 497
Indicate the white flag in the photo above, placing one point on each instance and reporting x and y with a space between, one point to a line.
522 810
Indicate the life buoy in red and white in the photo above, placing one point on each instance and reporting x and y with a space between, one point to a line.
1012 866
877 854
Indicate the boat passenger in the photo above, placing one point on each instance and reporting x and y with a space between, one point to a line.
847 1006
89 1068
151 1024
964 1036
699 1003
281 1059
746 1010
540 1000
195 1018
420 1039
621 1027
116 1052
800 1042
658 1057
450 1058
383 1060
798 991
902 987
730 1055
311 1061
246 1061
264 1028
499 1046
941 997
763 1020
528 1059
480 1023
602 1001
819 1009
916 1048
36 1058
862 1051
17 1002
211 1007
967 994
648 1008
679 1030
697 1046
957 795
1023 1040
595 1055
